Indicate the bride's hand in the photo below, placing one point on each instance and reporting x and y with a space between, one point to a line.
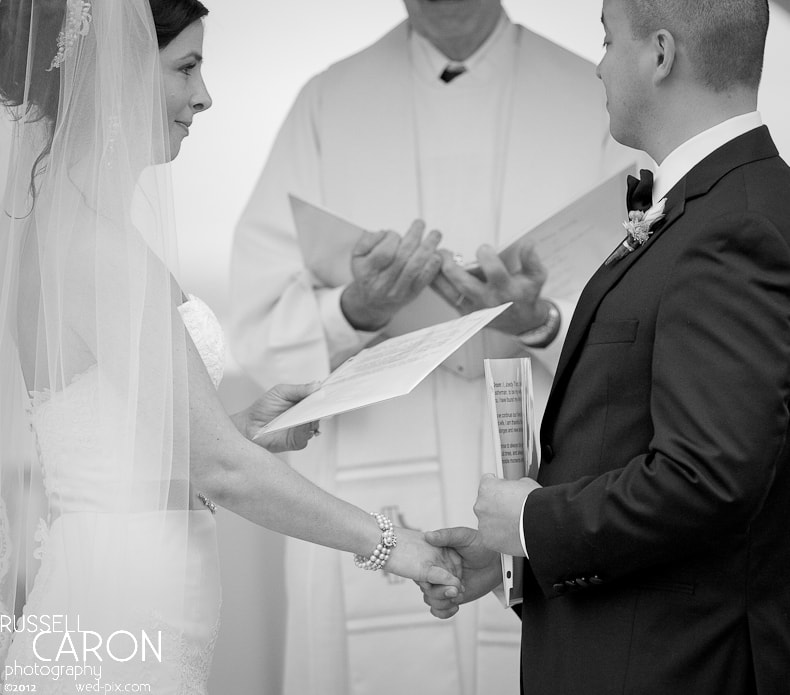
273 403
414 558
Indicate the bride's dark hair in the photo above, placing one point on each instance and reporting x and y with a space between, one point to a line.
171 17
15 47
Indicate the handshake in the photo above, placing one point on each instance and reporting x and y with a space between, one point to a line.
454 566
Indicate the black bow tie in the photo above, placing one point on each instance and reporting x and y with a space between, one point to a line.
639 198
640 191
451 72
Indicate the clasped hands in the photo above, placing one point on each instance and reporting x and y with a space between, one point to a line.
389 271
498 510
457 565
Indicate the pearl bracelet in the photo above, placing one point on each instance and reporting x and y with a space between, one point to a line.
382 552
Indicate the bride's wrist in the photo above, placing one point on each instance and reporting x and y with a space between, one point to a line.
407 558
383 547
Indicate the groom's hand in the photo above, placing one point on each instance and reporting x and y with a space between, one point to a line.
518 279
498 509
389 272
273 403
481 571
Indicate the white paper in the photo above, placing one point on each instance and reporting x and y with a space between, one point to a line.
575 241
325 240
509 394
389 369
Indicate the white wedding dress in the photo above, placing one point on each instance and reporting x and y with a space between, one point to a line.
152 575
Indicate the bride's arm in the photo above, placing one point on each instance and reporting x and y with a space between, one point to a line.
246 479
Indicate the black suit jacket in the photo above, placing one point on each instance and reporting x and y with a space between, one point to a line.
660 544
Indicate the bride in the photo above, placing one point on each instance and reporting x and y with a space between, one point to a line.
114 448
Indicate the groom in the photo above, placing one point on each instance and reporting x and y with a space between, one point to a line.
657 534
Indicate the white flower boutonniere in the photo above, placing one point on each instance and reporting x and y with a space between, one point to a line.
639 227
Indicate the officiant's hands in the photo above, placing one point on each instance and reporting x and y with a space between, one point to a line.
481 570
518 280
415 558
389 272
273 403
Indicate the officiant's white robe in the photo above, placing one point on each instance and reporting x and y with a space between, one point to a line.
380 140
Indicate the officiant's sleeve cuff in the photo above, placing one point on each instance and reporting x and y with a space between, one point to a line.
542 336
341 336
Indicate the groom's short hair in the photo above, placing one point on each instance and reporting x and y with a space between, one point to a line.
724 39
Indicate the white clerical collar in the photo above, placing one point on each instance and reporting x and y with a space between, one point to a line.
434 61
684 158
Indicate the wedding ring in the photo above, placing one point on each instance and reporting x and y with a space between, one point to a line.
458 259
314 430
208 503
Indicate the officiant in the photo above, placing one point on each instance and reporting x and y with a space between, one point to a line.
474 126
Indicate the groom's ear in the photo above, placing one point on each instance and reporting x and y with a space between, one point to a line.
664 52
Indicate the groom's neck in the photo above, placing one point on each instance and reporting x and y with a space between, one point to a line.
688 112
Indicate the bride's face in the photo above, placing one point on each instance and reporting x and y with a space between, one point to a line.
185 91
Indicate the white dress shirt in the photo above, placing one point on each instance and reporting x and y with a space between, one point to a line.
685 157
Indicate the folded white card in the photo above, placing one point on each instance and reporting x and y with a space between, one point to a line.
575 241
511 411
387 370
325 240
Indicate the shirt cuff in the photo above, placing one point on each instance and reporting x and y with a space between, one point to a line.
521 529
499 592
341 336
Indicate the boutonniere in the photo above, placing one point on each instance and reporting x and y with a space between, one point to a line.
639 227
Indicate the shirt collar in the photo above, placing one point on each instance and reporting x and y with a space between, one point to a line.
436 61
685 157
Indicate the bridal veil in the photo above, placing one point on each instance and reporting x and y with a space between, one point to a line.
94 468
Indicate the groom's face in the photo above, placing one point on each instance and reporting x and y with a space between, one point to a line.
626 75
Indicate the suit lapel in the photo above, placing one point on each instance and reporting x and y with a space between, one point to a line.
751 146
607 277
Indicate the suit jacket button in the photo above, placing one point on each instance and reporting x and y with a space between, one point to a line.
596 580
582 582
560 588
547 453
